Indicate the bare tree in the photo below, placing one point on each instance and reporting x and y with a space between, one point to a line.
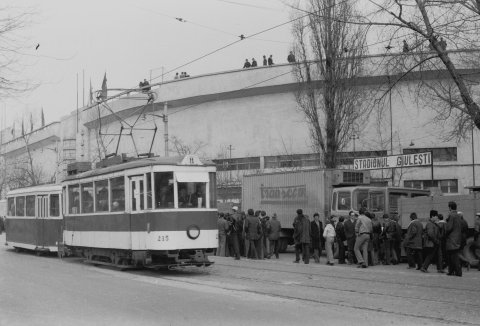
181 148
428 25
330 55
12 21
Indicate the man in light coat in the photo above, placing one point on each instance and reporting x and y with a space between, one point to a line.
363 230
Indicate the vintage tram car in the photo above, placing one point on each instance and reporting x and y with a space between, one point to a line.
152 212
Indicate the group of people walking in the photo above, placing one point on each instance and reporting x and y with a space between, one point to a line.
439 242
253 235
360 239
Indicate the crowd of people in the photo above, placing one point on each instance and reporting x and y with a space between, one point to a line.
360 239
267 62
251 235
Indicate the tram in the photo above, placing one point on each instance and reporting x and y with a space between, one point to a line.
152 212
34 220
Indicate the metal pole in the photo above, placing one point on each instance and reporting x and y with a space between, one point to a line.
165 122
431 154
473 159
391 125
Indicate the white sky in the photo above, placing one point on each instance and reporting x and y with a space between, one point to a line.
128 38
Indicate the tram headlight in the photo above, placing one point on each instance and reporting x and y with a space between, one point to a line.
193 232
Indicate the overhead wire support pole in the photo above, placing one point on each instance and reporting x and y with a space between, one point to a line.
165 123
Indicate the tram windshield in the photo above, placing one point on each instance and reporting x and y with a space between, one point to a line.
192 194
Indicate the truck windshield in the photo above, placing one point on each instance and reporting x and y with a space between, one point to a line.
393 198
377 201
344 201
360 198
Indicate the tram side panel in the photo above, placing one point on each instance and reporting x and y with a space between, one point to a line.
175 230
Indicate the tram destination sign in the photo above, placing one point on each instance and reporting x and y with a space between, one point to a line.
393 161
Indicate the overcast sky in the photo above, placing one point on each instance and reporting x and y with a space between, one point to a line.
129 38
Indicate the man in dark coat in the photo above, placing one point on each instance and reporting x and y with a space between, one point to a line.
316 229
413 242
246 64
301 236
349 227
253 231
432 241
341 238
453 242
390 233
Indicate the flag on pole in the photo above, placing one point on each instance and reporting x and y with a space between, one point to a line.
104 87
31 122
13 130
42 117
23 129
90 101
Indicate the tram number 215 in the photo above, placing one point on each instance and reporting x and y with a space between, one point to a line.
163 238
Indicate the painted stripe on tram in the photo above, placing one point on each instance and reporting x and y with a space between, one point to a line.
160 240
141 222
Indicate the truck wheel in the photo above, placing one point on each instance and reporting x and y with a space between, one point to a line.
470 251
283 243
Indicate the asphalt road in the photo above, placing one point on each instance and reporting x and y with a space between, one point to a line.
49 291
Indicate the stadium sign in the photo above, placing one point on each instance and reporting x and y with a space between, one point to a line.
393 161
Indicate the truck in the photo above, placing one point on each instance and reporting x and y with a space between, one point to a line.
468 205
311 190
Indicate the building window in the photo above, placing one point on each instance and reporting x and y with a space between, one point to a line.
448 186
442 154
233 164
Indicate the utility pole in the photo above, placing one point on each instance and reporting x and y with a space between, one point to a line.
354 137
165 124
473 158
230 148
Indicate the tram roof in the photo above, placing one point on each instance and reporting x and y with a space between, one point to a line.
35 189
151 161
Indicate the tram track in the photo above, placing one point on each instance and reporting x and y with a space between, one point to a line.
340 277
341 304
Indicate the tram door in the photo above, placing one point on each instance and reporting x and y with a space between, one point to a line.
137 190
42 215
137 195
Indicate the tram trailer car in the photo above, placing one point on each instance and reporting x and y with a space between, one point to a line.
469 205
284 192
33 218
153 212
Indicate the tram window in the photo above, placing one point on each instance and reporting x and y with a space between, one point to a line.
213 189
117 187
344 200
20 206
101 196
149 190
191 194
74 199
30 206
87 197
11 206
163 189
54 205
